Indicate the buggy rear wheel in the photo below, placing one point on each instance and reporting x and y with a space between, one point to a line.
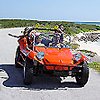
82 78
17 58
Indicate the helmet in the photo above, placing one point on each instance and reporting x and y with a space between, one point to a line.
26 30
56 27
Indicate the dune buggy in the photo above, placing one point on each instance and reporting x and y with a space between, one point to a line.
57 60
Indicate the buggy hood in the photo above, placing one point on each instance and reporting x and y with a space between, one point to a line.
56 56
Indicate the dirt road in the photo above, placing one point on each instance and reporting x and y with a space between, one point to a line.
44 87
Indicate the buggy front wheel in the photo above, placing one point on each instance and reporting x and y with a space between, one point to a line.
82 77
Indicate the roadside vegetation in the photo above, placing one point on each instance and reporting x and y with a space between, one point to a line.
70 27
74 46
88 53
95 65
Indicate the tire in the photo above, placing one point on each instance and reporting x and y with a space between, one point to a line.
28 72
17 58
82 78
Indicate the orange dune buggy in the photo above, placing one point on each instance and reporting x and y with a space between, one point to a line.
57 60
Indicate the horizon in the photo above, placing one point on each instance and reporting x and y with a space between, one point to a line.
47 20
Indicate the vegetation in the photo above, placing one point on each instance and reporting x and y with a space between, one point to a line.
88 53
95 65
70 27
74 45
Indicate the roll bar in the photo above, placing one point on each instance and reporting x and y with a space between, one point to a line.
34 28
49 29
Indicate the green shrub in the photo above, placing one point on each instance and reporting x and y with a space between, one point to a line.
74 46
95 65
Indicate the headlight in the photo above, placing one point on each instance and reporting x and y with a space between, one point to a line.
77 56
40 55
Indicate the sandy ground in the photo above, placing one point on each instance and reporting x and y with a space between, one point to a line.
43 88
91 46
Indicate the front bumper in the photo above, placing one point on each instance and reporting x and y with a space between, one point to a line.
59 67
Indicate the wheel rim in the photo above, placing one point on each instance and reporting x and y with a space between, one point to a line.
79 77
24 70
83 77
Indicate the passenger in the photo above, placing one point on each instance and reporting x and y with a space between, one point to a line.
27 43
38 41
61 31
56 40
58 36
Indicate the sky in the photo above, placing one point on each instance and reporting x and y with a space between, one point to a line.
63 10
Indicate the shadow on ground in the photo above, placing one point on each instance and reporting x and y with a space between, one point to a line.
15 79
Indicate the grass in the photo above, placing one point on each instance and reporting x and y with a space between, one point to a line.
95 65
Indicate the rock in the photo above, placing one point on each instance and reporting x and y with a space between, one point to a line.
96 58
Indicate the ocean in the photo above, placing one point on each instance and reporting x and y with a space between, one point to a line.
89 23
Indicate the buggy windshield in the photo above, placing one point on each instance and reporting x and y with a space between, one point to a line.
50 40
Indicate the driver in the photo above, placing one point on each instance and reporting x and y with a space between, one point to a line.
58 36
56 41
61 32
